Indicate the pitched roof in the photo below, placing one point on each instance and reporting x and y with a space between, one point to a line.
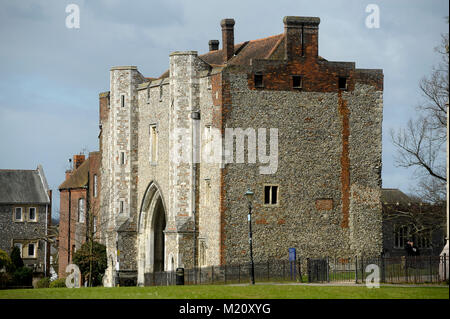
244 52
79 177
394 196
22 187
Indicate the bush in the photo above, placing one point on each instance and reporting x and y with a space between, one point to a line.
5 280
23 276
82 257
43 283
16 260
5 260
58 283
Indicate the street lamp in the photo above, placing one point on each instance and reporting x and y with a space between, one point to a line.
249 195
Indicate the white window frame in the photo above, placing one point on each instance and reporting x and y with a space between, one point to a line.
81 210
21 214
35 215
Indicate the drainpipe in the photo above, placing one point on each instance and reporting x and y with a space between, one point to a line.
68 237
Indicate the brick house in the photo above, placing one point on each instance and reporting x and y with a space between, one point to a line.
317 184
79 197
25 216
405 218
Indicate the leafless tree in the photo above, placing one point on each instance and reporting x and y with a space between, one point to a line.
422 144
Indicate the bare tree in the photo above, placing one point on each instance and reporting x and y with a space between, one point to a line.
422 144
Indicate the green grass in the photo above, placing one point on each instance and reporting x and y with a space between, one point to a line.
232 292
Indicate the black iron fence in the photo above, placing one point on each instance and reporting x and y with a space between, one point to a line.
423 269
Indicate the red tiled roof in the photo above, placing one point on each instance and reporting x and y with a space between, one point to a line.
244 52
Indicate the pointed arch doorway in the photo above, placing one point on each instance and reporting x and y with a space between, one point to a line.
151 238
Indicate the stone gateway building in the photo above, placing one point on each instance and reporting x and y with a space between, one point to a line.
308 143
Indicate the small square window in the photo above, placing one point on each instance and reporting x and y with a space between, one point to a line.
18 214
342 83
297 81
32 214
259 81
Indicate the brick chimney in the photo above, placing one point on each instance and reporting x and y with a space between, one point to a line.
213 45
302 36
227 38
77 161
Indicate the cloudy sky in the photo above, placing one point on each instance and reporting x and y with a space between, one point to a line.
51 75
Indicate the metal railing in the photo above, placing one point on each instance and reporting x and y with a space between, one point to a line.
423 269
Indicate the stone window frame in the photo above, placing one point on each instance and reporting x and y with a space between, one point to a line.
122 158
277 204
34 255
21 220
82 210
35 220
122 100
161 92
122 206
153 146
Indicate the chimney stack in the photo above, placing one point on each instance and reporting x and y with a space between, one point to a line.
302 36
227 38
77 161
213 45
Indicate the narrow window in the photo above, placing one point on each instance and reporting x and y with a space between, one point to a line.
258 80
122 100
95 185
297 82
81 210
122 158
342 83
271 195
160 93
95 224
18 214
266 194
31 250
274 199
32 214
121 207
153 143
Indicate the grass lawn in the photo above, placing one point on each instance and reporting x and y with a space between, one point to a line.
232 292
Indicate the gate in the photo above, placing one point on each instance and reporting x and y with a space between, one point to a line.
317 270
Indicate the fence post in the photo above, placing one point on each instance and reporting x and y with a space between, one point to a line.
308 269
445 267
328 269
383 270
356 269
212 274
300 269
268 270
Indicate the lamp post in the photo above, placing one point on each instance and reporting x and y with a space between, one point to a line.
249 194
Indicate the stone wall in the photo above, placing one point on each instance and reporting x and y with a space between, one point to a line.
24 232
